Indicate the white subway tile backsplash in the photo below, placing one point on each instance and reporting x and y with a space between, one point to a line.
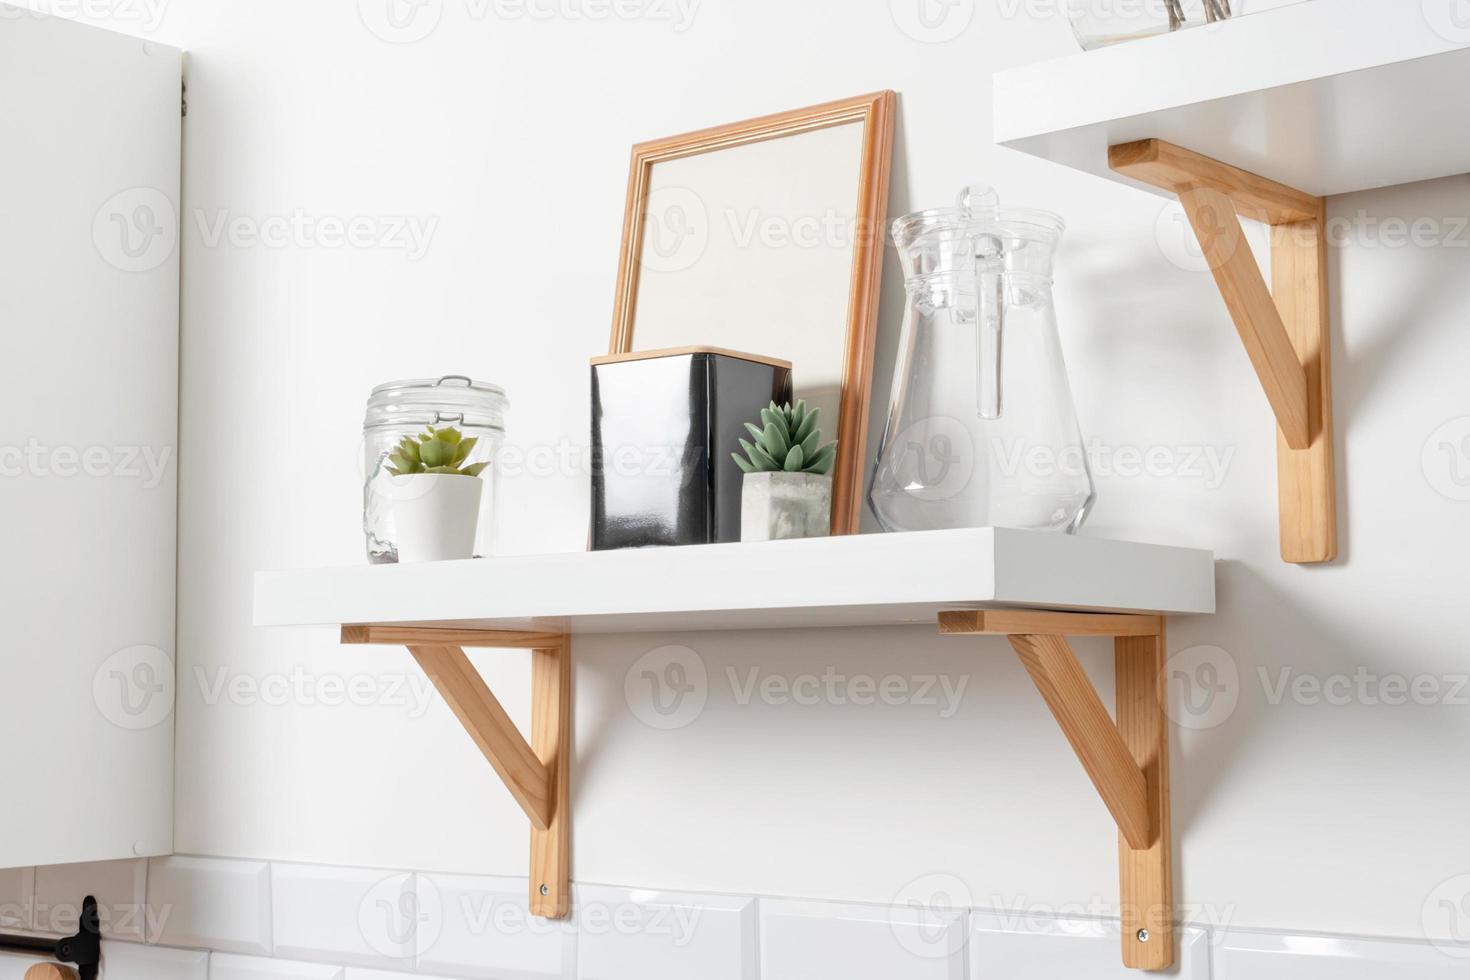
1259 956
228 966
120 888
210 903
1024 947
17 892
486 931
814 940
637 934
357 973
360 924
346 915
128 961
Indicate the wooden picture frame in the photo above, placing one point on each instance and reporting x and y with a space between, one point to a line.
876 112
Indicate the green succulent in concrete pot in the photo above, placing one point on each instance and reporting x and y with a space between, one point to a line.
787 491
435 495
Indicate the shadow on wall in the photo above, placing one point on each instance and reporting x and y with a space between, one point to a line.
1341 683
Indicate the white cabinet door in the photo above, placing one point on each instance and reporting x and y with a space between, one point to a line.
89 299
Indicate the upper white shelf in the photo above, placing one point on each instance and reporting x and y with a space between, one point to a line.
1329 96
860 580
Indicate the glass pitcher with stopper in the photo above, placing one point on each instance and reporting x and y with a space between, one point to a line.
981 430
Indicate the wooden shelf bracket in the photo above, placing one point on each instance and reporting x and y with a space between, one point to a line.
1127 760
1286 329
536 771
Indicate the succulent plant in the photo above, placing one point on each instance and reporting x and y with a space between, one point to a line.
786 440
435 451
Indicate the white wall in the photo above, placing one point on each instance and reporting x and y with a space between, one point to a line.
513 136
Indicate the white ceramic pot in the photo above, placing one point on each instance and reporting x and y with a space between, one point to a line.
435 516
785 505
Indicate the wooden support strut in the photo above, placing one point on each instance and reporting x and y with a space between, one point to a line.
1285 329
1127 761
536 771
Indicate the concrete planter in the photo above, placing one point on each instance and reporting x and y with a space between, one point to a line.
785 505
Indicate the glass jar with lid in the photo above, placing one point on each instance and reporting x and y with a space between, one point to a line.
1098 23
401 409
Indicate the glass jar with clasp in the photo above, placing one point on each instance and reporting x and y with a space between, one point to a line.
402 409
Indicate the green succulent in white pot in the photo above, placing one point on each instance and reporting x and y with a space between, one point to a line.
435 495
787 492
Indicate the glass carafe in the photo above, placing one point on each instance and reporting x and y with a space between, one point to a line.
981 431
1102 22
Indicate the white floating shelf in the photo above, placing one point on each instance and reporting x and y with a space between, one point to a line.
1328 96
860 580
536 601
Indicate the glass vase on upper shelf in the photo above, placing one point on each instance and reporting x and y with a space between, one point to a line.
1098 23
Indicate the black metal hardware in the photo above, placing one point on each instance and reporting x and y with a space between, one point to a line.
84 950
